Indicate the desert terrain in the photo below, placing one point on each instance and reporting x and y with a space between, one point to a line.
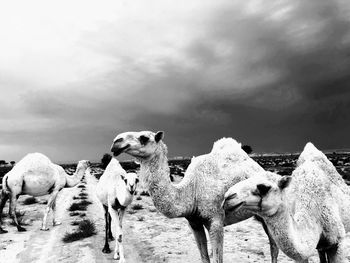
148 235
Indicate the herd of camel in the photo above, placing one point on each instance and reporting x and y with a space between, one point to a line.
306 212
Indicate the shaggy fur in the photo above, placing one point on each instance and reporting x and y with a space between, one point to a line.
115 190
307 211
36 175
199 195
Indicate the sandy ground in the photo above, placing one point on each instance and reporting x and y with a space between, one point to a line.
148 236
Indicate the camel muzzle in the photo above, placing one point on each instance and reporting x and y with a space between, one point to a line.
118 150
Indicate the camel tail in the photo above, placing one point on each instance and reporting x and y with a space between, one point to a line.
5 186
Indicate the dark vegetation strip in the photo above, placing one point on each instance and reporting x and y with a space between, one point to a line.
82 205
86 228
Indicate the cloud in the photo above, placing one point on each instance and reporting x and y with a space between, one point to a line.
273 75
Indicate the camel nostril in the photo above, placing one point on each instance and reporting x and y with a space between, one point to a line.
118 140
232 196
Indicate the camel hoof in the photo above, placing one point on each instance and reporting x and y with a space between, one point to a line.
21 229
44 229
106 250
3 231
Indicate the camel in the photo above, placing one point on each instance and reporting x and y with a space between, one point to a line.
36 175
115 190
304 212
199 195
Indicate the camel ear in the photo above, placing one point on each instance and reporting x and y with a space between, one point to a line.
159 135
263 189
284 182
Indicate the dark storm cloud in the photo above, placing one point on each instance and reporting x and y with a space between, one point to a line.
272 75
272 83
304 95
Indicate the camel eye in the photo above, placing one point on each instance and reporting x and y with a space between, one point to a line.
255 192
143 139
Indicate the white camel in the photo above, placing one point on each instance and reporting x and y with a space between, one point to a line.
115 190
199 195
36 175
306 211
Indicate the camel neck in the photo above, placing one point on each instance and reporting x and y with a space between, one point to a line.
165 195
75 179
296 238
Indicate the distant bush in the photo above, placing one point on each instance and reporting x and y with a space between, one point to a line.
76 206
247 149
80 198
152 209
75 223
144 193
82 205
74 213
30 200
86 228
137 207
131 212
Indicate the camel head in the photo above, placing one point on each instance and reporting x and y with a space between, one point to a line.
260 195
131 180
83 164
141 145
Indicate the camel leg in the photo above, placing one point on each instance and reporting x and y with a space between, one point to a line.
337 254
117 218
106 248
54 221
216 234
201 239
50 202
3 198
120 237
13 204
322 256
110 229
273 246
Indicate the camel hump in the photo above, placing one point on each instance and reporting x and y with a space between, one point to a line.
34 157
226 145
311 153
31 161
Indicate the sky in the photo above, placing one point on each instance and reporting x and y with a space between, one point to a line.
271 74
